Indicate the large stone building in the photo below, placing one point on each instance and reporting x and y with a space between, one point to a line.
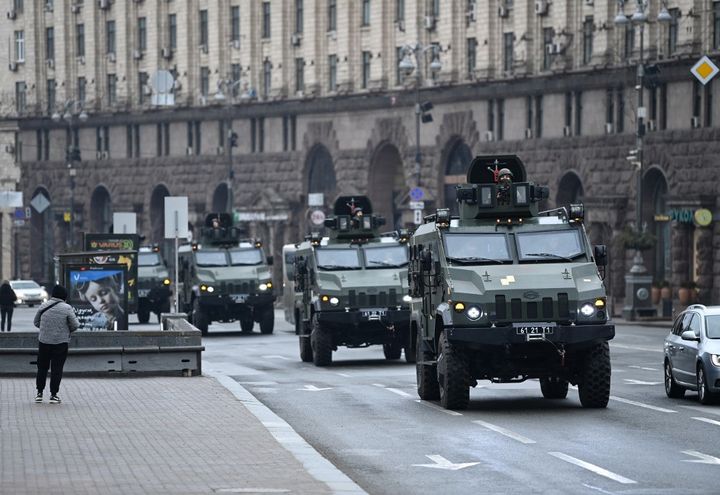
314 91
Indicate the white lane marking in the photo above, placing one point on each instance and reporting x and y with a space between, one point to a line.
313 388
258 384
378 385
592 467
635 347
398 392
701 458
504 431
251 490
344 375
640 404
598 489
703 409
644 368
441 463
709 421
631 381
276 356
438 408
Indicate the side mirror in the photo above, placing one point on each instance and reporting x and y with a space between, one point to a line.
600 252
269 260
689 335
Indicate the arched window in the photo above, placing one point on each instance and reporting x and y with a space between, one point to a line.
570 190
220 199
157 213
100 210
386 185
456 167
321 173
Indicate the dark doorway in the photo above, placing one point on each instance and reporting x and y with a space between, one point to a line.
41 241
157 213
570 190
321 174
386 185
456 167
220 199
654 203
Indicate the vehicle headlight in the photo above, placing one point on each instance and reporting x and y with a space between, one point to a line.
166 281
207 288
587 309
263 287
473 313
715 358
210 289
459 307
407 298
334 301
324 298
19 300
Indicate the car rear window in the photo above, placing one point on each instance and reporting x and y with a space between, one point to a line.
712 324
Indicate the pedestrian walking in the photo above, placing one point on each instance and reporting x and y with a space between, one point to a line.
7 305
56 320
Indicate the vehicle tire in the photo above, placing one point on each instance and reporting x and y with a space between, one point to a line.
321 342
594 384
392 351
410 351
298 323
143 315
554 387
453 375
427 383
705 397
306 352
30 305
199 318
267 323
672 389
246 324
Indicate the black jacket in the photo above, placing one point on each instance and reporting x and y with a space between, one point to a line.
7 295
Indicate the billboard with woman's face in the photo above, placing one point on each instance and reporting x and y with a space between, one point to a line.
99 296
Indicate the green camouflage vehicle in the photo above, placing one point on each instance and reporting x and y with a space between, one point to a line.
504 293
226 278
153 284
352 286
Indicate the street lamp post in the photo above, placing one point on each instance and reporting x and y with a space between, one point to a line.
637 281
232 137
72 111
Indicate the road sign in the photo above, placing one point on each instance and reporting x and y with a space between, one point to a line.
704 70
176 217
11 199
417 205
416 194
317 217
40 202
316 199
19 223
67 216
124 223
417 217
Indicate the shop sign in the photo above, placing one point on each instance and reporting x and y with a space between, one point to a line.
701 217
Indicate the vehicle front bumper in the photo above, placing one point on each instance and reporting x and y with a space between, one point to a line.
561 334
356 317
712 374
223 300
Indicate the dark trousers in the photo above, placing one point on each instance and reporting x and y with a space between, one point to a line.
6 312
55 355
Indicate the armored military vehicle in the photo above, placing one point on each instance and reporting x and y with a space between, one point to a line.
153 284
226 278
352 286
505 293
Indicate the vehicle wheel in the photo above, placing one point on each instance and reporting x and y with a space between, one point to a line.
410 351
427 383
321 342
306 352
554 387
143 315
298 323
705 397
200 318
672 389
267 323
30 305
453 376
594 385
246 324
392 351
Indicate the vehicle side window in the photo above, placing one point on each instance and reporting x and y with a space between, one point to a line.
677 326
686 322
695 324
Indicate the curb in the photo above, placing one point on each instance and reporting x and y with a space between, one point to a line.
314 463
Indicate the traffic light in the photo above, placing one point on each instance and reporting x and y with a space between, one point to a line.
233 139
424 109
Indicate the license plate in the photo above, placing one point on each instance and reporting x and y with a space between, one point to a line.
535 329
143 292
238 298
373 314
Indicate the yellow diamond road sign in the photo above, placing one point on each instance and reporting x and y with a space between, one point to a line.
704 70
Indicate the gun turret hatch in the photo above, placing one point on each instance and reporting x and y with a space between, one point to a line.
353 220
219 230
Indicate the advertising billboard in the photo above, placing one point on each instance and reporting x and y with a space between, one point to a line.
118 242
99 296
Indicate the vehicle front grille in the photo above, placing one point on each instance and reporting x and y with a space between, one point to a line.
382 299
550 309
247 287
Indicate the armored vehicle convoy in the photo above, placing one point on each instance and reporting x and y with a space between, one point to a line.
153 284
226 278
352 286
505 293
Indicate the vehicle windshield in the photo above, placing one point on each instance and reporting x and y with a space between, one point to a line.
338 259
477 248
149 259
246 257
211 258
24 285
387 256
558 245
712 324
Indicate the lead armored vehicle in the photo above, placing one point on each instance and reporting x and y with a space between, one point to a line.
504 293
226 278
351 287
153 284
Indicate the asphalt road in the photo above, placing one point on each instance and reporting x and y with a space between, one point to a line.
364 415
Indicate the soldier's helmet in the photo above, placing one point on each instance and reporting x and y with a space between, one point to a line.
505 171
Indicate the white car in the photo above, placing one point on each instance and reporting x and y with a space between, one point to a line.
29 292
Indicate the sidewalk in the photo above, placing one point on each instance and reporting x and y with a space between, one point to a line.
153 435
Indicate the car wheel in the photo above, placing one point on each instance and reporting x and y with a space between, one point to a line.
392 351
594 385
705 397
427 383
554 387
267 323
246 324
143 315
672 389
306 352
321 342
410 351
200 318
453 376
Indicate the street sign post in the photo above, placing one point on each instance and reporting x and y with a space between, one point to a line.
316 199
416 193
125 223
417 217
417 205
176 226
40 203
317 217
11 199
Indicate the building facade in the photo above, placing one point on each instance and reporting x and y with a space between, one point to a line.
312 94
